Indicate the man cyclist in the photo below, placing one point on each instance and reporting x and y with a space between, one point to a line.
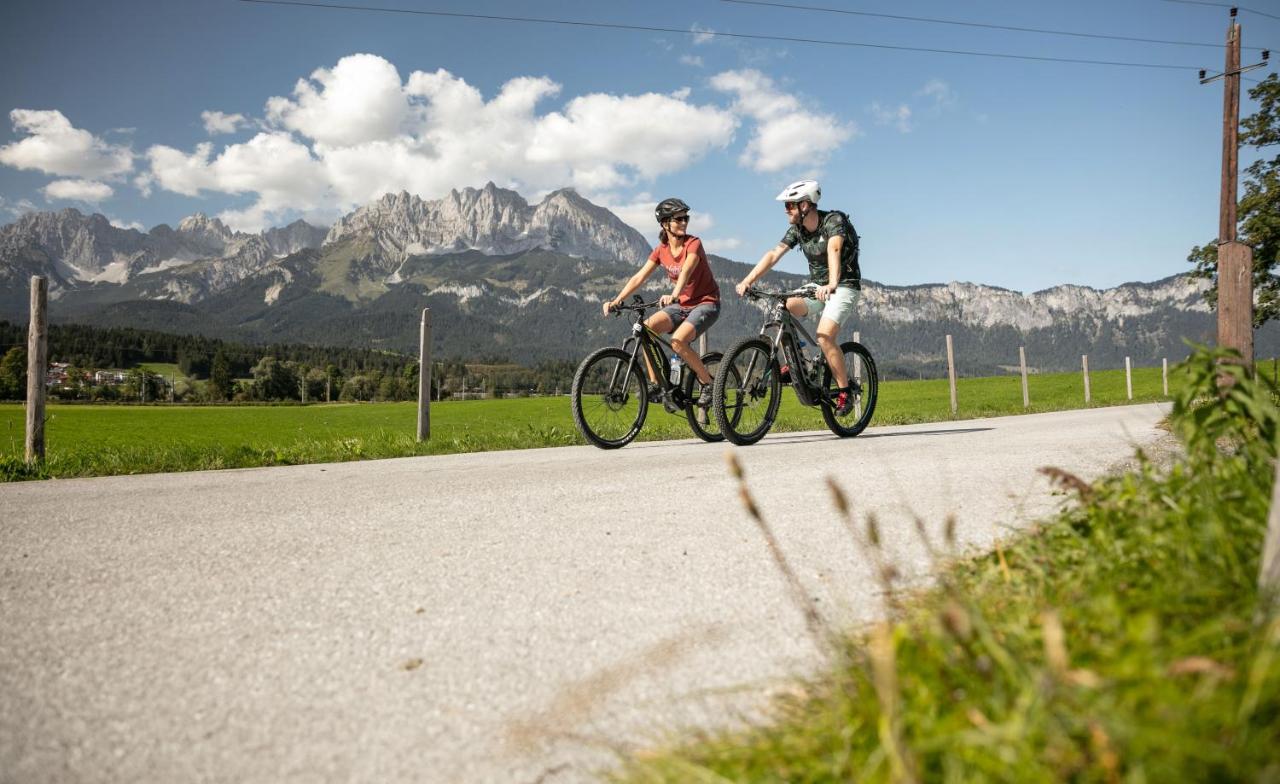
830 243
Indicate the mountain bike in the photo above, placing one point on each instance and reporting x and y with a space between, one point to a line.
611 388
748 384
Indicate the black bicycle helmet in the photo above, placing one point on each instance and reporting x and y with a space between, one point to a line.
668 207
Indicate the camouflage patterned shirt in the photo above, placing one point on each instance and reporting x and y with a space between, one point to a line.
831 223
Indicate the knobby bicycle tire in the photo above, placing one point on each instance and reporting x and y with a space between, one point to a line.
857 362
710 430
609 398
747 391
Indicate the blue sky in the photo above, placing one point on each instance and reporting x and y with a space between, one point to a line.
1006 172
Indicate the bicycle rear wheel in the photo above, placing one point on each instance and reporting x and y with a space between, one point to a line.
701 420
747 392
610 398
864 384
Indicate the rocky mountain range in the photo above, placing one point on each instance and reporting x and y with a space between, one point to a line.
508 279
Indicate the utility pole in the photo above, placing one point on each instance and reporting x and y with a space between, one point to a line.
1235 259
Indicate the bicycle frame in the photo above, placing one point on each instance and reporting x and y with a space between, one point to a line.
786 342
653 344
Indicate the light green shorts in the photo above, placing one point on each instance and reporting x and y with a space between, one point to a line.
838 308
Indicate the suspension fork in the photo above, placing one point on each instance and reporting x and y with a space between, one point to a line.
773 350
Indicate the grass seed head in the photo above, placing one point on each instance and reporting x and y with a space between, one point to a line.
838 497
735 467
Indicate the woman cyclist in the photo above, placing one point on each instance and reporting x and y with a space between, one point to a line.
694 304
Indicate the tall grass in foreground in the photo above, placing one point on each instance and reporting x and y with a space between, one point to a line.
1119 642
96 440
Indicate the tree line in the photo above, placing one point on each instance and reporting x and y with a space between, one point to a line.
215 370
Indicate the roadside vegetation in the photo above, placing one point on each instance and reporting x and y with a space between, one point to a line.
97 440
1123 641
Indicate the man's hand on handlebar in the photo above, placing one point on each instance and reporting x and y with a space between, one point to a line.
610 306
742 287
665 300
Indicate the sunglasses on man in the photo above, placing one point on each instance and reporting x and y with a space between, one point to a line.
680 219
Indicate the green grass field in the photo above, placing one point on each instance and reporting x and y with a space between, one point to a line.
95 440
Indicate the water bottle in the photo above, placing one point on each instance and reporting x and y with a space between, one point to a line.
675 369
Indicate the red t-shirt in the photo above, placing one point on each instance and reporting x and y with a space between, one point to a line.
701 286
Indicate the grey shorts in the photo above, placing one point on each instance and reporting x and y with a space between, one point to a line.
700 316
838 307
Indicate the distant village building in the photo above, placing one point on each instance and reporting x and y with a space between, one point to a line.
108 377
56 376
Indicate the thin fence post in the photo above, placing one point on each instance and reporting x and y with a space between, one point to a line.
1164 375
951 374
857 366
1269 571
424 377
1022 360
1128 378
37 361
1084 362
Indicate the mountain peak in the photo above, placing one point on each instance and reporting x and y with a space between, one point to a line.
201 223
492 220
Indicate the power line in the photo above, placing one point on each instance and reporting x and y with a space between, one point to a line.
715 33
983 25
1224 5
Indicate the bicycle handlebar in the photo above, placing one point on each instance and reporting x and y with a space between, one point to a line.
640 306
755 293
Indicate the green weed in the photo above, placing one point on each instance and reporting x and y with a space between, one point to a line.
1118 642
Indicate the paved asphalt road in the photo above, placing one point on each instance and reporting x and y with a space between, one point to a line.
510 616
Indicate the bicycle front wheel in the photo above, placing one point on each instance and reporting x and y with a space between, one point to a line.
864 384
610 398
747 392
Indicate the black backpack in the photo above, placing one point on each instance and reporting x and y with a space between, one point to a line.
853 239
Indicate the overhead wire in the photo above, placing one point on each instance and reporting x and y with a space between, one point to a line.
1224 5
983 25
718 33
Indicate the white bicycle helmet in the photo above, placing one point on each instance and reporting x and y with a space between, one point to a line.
804 190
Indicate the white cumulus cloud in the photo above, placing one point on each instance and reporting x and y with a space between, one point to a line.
54 146
357 131
78 190
274 166
359 100
219 122
788 135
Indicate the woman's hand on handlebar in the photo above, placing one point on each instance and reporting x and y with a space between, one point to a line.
742 287
610 306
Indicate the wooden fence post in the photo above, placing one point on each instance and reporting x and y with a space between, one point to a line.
1128 378
1164 375
1022 359
1084 362
37 365
424 377
1269 572
951 374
